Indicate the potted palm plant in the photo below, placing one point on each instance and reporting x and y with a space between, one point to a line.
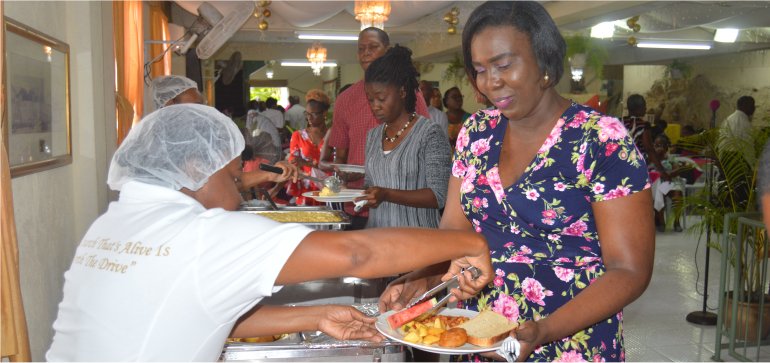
732 191
587 52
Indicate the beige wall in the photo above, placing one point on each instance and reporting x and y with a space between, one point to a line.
53 208
722 77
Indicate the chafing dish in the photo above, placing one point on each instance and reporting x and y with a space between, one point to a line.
316 347
316 217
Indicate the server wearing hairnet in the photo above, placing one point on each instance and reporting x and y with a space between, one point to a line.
174 90
166 273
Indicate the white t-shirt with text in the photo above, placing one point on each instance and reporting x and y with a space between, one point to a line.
160 278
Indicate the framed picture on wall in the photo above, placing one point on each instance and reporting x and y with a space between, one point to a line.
37 121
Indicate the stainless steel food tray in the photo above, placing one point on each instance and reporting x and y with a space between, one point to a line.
314 346
344 218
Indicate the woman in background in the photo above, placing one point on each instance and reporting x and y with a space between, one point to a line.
306 145
453 100
408 156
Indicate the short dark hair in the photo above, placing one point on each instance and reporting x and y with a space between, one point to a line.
396 68
635 104
294 99
745 101
528 17
270 102
381 34
247 153
446 94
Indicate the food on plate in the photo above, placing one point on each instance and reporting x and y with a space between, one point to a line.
453 338
406 315
302 216
326 192
487 328
446 320
428 329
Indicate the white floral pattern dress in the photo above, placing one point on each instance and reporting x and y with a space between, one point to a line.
541 229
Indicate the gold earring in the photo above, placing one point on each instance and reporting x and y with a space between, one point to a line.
546 77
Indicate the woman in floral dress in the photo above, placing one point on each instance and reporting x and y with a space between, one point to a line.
559 191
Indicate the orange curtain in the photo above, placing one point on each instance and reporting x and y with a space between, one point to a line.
129 93
159 32
14 339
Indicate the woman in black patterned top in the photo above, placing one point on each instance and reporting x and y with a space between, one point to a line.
408 156
641 131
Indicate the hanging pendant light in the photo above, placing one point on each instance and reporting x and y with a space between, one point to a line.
316 55
372 13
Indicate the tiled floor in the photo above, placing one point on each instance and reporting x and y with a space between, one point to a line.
655 328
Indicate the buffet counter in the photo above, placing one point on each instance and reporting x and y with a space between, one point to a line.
363 294
316 347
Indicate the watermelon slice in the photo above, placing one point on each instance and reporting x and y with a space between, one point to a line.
404 316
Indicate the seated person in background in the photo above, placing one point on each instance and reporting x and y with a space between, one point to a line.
167 272
407 157
659 128
306 146
672 188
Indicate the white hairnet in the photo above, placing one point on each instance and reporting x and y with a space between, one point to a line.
165 88
179 146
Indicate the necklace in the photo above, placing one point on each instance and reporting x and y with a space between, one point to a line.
393 139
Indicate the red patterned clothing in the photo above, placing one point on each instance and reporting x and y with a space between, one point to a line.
302 146
353 119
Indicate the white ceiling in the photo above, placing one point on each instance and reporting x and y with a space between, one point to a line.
420 22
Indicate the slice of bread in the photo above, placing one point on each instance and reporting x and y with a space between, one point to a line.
487 328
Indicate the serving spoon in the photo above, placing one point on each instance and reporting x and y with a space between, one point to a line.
332 182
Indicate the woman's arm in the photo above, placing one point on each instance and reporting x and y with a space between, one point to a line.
253 178
339 322
627 250
382 252
418 198
403 289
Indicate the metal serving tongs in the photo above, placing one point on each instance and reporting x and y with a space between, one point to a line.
475 273
333 183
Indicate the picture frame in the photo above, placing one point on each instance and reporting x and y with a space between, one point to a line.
37 117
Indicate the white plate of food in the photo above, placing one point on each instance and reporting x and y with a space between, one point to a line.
345 195
346 168
398 334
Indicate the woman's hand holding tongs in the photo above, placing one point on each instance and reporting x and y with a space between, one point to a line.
468 285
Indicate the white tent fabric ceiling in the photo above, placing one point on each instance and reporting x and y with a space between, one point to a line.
410 20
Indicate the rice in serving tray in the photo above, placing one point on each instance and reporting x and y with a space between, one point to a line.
302 216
